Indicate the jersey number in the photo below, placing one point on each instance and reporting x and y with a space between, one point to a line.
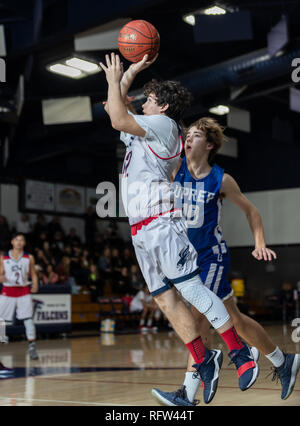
194 214
17 275
126 163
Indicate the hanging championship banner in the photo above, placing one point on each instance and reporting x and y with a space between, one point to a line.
39 195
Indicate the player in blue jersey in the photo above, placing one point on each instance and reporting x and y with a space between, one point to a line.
200 189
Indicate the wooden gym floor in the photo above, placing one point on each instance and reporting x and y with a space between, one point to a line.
121 370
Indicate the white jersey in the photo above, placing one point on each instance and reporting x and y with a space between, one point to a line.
16 271
148 166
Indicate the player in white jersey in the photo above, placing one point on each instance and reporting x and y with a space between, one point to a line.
15 269
167 259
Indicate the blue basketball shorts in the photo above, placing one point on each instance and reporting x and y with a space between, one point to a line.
214 275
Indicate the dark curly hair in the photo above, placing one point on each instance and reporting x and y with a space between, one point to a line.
172 93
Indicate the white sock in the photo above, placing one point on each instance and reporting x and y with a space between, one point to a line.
191 384
277 357
149 322
142 322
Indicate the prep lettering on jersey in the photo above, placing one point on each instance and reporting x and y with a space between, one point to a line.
196 195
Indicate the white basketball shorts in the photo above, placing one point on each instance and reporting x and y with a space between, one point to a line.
22 305
164 252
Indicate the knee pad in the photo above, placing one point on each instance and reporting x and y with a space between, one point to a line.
29 329
205 301
194 292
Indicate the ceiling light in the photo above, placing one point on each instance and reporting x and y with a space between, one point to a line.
220 110
215 10
83 65
66 70
189 19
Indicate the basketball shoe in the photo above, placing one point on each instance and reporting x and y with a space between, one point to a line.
178 397
245 361
207 371
287 373
5 372
32 352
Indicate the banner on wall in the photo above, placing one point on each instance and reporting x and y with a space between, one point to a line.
51 308
70 199
39 195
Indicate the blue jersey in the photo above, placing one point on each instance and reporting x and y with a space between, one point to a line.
201 205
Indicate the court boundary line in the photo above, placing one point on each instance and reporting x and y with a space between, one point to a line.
146 383
61 402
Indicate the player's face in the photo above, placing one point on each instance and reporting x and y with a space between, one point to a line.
195 143
18 243
150 107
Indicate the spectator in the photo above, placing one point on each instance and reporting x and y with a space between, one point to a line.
54 226
97 246
90 228
63 270
137 280
116 261
73 239
58 245
94 282
41 260
121 285
40 239
50 277
144 304
127 258
47 251
85 259
40 226
23 225
105 264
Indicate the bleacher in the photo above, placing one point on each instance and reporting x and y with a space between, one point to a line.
85 312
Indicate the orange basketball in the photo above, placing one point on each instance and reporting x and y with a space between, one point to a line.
138 38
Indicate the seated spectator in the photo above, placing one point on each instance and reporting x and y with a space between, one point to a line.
41 259
94 282
57 246
137 280
72 238
127 257
121 284
116 260
50 277
54 226
97 245
65 277
144 304
40 239
47 251
63 270
90 227
105 264
85 259
40 226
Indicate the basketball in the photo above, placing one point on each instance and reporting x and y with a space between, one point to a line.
138 38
